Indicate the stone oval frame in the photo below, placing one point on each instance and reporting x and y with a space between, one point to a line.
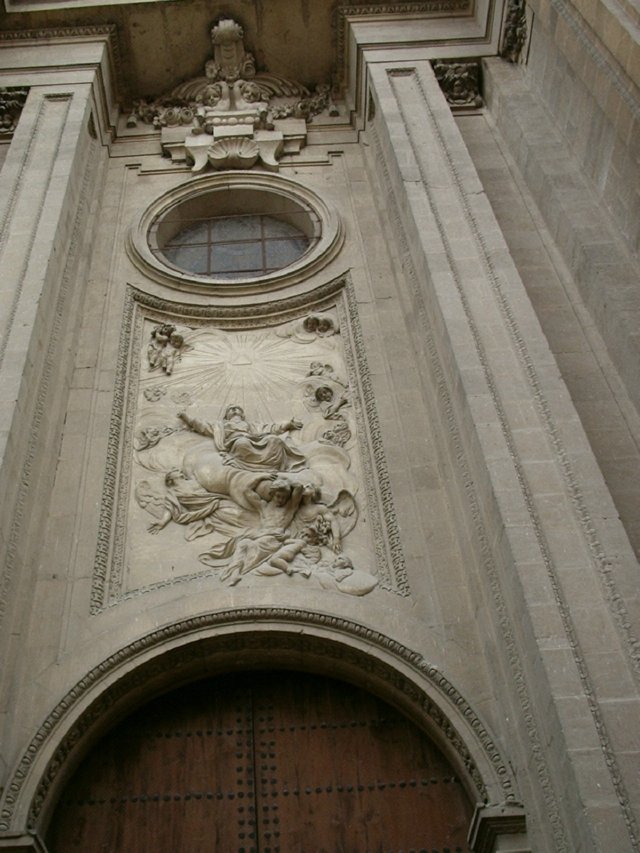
243 639
325 219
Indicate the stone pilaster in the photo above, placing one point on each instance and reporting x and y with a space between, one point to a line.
527 481
45 197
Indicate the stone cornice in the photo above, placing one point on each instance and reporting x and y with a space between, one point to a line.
64 37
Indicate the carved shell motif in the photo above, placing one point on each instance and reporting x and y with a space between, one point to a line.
233 153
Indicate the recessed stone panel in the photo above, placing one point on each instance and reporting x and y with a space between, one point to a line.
243 455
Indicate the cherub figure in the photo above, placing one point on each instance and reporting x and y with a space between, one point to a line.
151 435
249 96
317 368
325 391
160 336
328 402
320 324
171 352
294 556
165 348
310 328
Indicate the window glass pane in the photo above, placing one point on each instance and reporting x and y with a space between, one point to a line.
277 228
242 246
190 258
196 233
235 228
236 256
282 252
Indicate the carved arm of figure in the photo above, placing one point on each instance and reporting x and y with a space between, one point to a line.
157 526
201 427
294 423
258 496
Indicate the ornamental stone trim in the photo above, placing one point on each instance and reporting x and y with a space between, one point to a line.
210 643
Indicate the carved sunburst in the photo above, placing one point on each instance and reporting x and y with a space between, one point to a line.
257 370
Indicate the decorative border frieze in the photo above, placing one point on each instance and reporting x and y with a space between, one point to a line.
421 7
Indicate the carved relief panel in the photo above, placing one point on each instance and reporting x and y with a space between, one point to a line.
244 455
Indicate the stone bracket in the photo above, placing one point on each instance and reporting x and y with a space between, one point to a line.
191 145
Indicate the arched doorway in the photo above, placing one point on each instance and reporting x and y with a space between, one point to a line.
269 762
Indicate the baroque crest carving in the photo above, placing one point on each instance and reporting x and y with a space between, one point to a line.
12 101
514 35
233 116
460 82
245 459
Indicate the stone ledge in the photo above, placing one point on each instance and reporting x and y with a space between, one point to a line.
498 828
22 843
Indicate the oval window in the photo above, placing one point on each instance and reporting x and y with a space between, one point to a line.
246 245
235 234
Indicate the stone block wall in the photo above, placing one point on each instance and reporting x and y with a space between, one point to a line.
604 269
584 64
607 414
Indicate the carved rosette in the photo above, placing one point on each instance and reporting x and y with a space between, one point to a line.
234 105
12 101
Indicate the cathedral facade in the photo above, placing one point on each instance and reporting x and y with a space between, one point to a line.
320 461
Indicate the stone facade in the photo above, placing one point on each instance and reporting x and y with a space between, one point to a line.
439 397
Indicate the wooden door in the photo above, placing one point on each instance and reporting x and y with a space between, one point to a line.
268 762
